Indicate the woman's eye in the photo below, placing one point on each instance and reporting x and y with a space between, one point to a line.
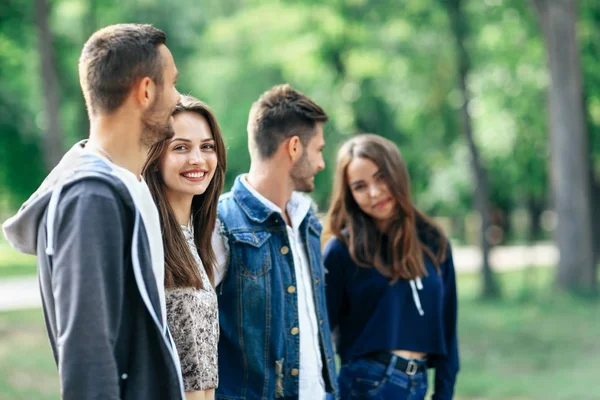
180 147
208 147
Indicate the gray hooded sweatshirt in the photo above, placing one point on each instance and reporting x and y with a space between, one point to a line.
100 297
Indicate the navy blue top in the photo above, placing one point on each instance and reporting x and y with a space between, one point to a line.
374 316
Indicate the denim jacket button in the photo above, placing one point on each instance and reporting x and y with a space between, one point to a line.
295 331
294 372
285 250
291 289
318 280
321 321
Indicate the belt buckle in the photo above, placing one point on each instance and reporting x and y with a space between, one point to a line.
411 368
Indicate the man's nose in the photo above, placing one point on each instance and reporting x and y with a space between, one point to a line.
321 165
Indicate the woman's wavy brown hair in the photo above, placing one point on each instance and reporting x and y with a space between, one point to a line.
180 266
399 251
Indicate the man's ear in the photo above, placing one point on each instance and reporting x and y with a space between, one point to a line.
295 148
145 92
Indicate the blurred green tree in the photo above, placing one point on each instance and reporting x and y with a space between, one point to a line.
569 144
460 29
385 67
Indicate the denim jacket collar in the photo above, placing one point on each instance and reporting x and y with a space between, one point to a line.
259 209
255 209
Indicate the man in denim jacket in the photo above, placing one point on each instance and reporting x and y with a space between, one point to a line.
275 338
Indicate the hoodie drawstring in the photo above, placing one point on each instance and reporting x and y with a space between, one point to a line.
415 293
52 209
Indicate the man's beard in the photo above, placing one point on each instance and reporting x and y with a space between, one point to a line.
154 128
302 174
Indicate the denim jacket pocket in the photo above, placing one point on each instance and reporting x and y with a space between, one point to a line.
251 253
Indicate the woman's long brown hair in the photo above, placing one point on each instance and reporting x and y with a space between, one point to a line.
399 251
180 266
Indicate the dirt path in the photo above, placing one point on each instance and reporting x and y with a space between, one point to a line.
23 292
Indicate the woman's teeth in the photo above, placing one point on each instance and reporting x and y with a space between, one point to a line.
194 175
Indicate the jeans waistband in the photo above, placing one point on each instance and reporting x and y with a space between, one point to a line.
409 367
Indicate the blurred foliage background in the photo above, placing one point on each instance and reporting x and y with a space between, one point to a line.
466 88
460 85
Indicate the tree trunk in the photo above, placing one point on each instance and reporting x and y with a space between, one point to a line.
53 148
596 223
569 147
490 287
91 23
535 208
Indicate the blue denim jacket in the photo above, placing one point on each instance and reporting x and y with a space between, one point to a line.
258 356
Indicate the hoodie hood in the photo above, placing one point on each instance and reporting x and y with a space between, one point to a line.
21 230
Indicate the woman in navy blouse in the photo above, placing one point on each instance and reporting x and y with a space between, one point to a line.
391 287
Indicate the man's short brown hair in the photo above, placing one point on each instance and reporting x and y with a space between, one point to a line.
114 59
279 114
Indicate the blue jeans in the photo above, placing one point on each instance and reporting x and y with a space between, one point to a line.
370 379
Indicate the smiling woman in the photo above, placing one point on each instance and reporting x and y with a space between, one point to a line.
185 174
188 163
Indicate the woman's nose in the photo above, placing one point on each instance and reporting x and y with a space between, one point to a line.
196 157
374 190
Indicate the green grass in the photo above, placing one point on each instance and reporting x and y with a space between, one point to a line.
13 263
533 344
27 369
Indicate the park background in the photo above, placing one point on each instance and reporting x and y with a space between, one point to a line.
494 104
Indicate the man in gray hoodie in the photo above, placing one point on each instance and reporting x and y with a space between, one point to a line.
96 231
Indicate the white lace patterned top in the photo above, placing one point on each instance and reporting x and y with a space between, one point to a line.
193 318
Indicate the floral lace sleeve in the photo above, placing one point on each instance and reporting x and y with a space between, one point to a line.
196 343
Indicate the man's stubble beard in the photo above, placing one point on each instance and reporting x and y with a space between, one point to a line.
302 174
153 130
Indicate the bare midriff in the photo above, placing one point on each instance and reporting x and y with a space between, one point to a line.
201 395
411 355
